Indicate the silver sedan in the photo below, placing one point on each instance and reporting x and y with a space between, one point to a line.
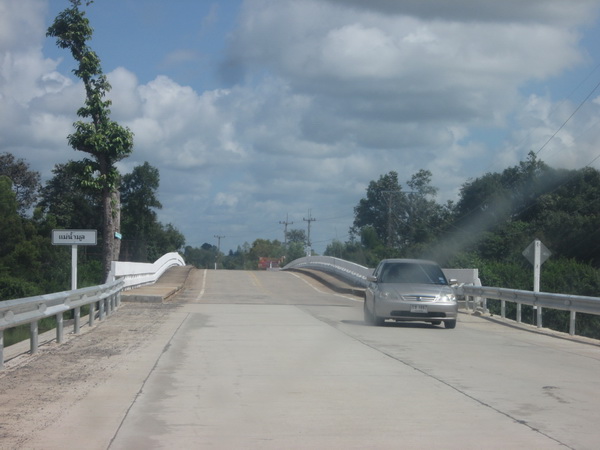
409 290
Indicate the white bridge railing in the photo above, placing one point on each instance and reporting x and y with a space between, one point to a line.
102 300
135 274
353 273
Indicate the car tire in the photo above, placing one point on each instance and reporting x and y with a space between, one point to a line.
378 321
371 318
450 324
436 322
367 314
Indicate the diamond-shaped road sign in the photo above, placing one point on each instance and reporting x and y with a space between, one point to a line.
529 252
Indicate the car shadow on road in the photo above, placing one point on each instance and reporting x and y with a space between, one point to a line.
393 324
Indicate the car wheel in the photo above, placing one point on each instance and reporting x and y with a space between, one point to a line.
367 314
450 324
378 321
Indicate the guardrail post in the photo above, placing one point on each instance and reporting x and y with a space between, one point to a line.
92 312
539 317
101 308
59 328
503 308
518 313
572 323
33 340
76 317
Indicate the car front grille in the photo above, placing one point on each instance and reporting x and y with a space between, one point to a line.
419 298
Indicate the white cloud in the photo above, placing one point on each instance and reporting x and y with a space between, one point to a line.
328 95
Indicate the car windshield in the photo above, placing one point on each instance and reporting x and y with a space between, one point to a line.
411 272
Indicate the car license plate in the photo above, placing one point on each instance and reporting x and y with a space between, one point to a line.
418 308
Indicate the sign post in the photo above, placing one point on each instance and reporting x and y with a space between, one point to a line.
537 254
74 238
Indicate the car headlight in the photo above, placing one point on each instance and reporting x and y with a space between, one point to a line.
449 298
387 295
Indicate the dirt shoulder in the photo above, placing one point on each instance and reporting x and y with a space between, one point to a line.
36 390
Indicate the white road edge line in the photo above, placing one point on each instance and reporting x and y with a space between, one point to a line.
201 294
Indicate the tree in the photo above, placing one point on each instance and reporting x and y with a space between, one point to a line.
139 199
103 139
163 239
25 182
296 236
203 257
67 203
20 248
10 225
380 208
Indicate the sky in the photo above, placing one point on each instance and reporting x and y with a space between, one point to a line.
258 112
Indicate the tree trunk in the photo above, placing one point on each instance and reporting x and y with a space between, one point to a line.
111 210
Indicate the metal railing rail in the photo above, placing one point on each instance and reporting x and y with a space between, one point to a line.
31 310
107 297
469 287
564 302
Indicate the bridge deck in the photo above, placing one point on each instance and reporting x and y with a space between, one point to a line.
270 360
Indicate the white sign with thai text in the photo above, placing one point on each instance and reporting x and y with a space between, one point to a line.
74 237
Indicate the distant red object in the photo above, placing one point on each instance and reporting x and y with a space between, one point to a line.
269 263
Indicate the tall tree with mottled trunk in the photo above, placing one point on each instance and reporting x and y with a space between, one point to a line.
103 139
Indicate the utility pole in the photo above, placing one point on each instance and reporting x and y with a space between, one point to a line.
285 224
218 249
309 220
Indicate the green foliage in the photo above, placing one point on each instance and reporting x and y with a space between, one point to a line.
140 229
11 287
568 276
68 202
294 251
204 257
25 183
163 239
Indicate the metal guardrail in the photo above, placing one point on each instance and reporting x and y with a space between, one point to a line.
103 300
564 302
469 287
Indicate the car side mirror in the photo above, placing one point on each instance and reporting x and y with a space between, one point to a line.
453 282
372 278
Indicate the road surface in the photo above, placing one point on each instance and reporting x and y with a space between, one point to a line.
271 360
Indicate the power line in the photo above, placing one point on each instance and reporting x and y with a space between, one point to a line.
569 118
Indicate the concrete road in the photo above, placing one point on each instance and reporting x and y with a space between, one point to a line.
266 360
